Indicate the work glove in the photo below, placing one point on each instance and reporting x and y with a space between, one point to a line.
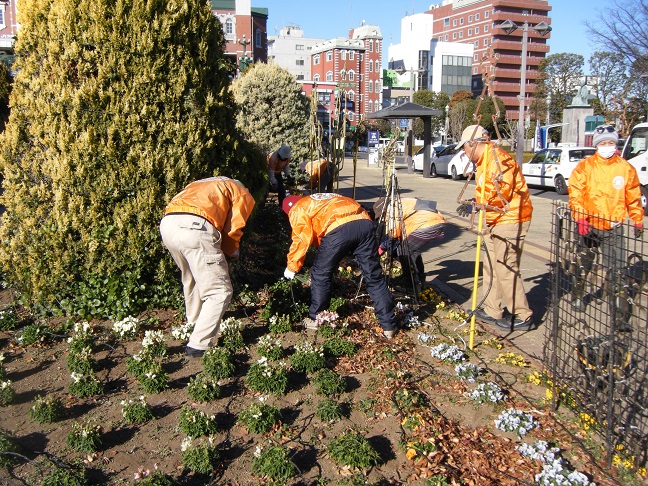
465 209
638 230
235 255
288 274
583 227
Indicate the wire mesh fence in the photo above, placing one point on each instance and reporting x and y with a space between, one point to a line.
596 332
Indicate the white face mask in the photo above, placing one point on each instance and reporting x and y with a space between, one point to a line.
606 151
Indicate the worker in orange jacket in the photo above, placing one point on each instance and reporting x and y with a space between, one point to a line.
338 225
424 225
508 216
319 174
202 224
604 190
278 166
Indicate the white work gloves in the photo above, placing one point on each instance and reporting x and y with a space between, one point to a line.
288 274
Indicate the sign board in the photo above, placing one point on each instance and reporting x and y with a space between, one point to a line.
403 123
346 84
373 137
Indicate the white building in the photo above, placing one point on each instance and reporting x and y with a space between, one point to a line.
292 51
450 67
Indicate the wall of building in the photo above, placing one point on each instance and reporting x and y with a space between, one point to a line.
291 50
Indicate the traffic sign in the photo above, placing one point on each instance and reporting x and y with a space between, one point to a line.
373 136
403 123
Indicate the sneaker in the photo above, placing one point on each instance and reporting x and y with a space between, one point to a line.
389 334
194 353
515 324
309 324
482 315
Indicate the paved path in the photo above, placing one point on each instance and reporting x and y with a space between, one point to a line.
450 265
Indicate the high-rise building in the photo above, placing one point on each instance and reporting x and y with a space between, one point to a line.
292 51
355 65
477 21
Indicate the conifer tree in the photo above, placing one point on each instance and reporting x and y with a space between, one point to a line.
117 105
272 109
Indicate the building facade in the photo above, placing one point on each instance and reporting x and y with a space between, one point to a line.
8 30
354 65
477 22
245 29
292 51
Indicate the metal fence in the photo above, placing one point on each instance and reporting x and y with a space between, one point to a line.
596 333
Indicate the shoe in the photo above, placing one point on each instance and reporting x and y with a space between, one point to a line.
309 324
482 315
578 305
194 353
515 324
390 334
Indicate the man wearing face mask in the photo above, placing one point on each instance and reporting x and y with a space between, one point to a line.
603 191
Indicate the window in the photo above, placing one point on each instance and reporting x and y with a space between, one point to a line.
486 14
329 55
329 76
299 77
299 62
476 30
469 32
258 38
485 42
454 35
461 21
316 77
485 28
440 38
454 22
351 116
474 70
377 86
316 59
476 16
370 45
351 55
351 75
476 43
377 66
229 26
360 57
476 57
299 47
446 37
469 18
343 55
446 22
377 46
370 87
461 34
370 66
343 75
350 95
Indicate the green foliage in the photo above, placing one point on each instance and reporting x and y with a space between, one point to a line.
284 294
217 363
196 423
199 458
230 336
560 76
437 480
138 364
267 377
136 411
308 357
329 410
432 99
65 476
8 317
7 393
203 388
155 379
32 334
47 409
338 346
85 385
338 304
406 400
270 348
259 418
82 361
272 110
7 444
328 382
84 437
115 108
280 324
157 478
273 462
354 450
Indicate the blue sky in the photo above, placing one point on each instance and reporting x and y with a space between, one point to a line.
334 18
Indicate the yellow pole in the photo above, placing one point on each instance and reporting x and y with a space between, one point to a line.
480 222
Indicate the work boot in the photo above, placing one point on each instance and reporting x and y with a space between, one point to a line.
309 324
512 323
194 353
483 316
390 334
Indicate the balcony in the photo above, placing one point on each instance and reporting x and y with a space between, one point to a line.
517 60
519 18
515 73
517 45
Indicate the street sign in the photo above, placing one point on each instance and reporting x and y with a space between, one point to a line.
373 137
403 123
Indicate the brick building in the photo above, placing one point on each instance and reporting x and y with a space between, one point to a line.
8 29
354 64
477 21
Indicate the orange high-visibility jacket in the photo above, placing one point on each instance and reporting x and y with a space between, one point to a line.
608 188
414 219
276 165
224 202
512 187
314 169
313 217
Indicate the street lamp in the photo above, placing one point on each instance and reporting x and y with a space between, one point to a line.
508 26
244 61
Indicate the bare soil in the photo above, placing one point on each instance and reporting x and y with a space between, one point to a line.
468 448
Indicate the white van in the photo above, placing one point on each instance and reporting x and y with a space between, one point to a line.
634 152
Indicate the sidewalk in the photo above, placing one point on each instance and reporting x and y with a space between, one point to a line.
450 265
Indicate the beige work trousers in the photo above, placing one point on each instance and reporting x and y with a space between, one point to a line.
504 243
195 246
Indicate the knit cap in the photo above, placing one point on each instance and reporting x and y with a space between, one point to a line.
603 133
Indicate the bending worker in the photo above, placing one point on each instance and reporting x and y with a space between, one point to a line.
424 225
500 178
338 225
202 224
319 174
278 164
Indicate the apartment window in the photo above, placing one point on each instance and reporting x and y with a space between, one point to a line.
474 70
461 34
258 38
350 95
476 57
299 47
370 66
329 56
370 46
476 43
454 22
485 28
485 42
316 59
229 25
454 35
377 66
351 55
370 87
377 46
351 116
446 22
476 16
476 30
469 32
446 37
343 55
299 62
469 18
316 77
299 77
486 14
461 21
329 76
351 75
440 38
377 86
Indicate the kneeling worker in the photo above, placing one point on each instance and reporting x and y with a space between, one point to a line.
338 225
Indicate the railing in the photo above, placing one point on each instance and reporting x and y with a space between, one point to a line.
596 331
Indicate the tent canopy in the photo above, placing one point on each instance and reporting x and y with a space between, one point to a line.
406 110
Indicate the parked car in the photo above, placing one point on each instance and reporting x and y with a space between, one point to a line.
417 159
450 162
552 167
400 147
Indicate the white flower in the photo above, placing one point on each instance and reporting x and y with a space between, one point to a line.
2 357
76 377
5 384
258 451
448 353
183 331
152 338
186 444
